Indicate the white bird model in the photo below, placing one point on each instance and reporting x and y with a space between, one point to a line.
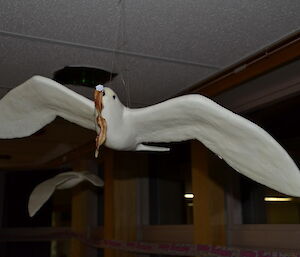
243 145
42 192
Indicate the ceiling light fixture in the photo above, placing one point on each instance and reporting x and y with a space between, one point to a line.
278 199
83 76
189 196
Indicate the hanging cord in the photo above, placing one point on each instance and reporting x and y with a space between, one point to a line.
121 41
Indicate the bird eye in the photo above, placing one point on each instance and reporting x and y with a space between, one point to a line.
114 97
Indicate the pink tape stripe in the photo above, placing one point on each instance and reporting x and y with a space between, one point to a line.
183 249
157 248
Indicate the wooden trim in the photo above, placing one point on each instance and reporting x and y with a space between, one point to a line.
2 196
45 234
233 199
84 151
251 96
209 198
80 152
275 237
168 233
109 224
282 52
84 211
35 234
266 236
109 195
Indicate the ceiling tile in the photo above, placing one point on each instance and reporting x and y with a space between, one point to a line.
212 32
140 82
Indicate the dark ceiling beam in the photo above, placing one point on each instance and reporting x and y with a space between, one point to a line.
84 151
269 58
35 234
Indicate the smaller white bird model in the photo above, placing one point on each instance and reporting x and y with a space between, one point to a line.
43 191
243 145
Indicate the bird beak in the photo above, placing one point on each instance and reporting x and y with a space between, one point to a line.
99 120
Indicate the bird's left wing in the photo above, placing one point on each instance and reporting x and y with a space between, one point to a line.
242 144
42 192
35 103
95 180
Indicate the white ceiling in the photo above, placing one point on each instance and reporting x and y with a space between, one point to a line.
158 47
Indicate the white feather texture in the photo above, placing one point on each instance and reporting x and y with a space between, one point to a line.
37 102
42 192
243 145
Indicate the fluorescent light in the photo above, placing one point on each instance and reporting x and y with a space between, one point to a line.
189 196
278 199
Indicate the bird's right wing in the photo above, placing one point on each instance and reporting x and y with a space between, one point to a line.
242 144
35 103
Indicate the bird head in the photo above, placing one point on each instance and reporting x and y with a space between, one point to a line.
107 104
111 100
